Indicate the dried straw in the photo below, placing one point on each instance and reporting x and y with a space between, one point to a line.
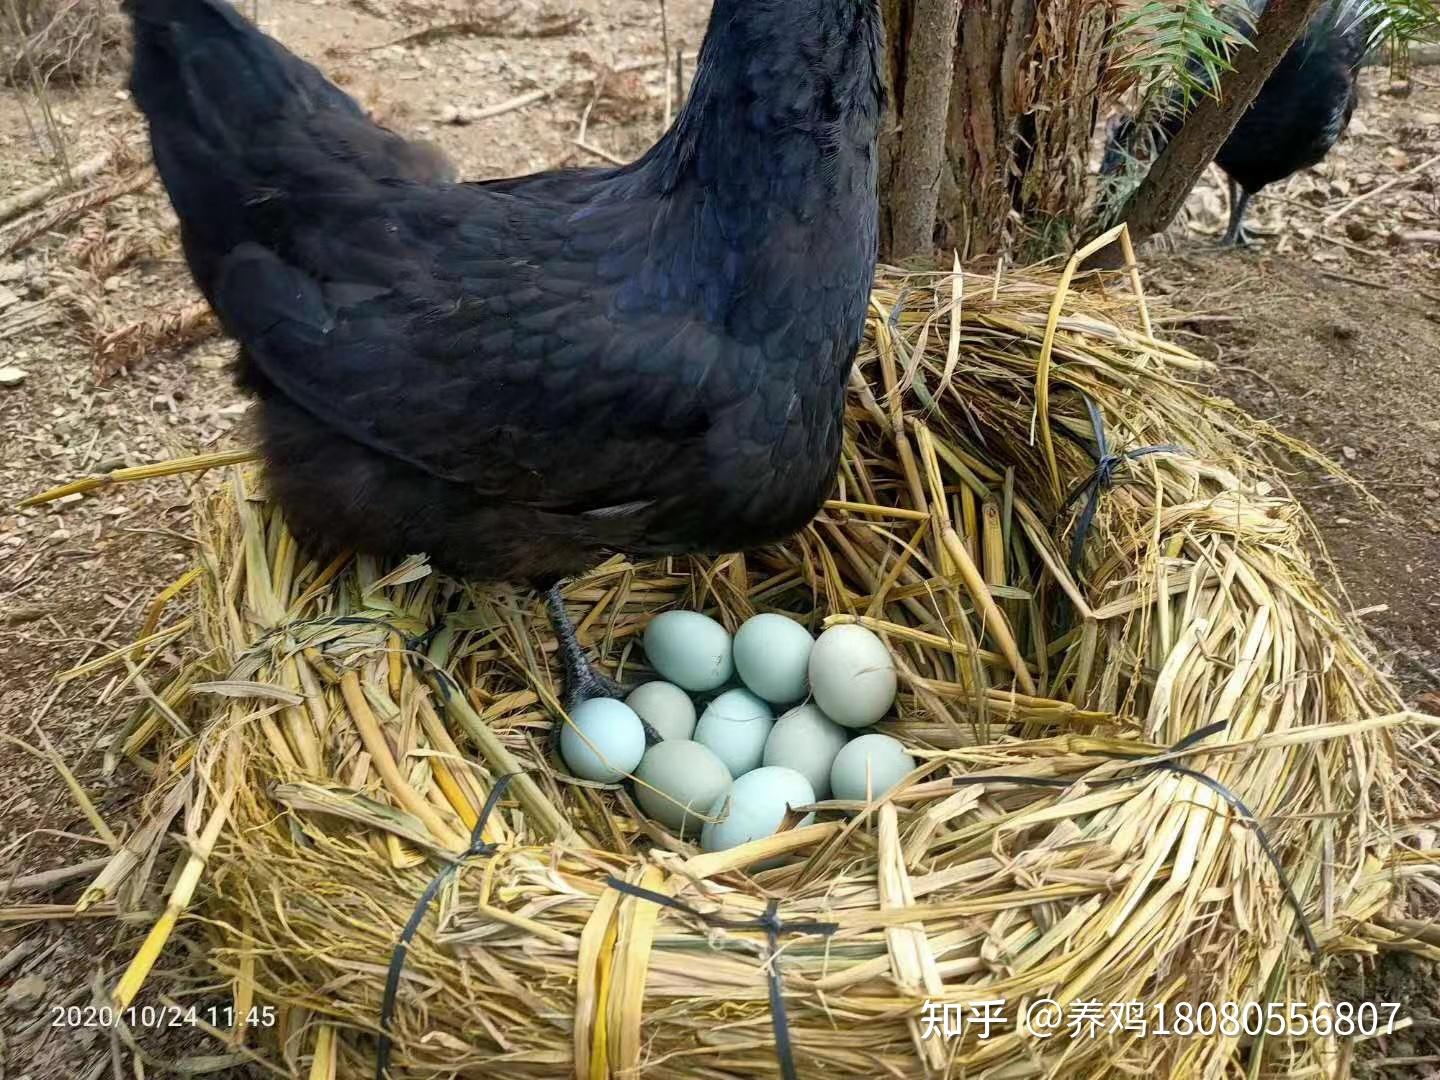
333 768
119 348
128 178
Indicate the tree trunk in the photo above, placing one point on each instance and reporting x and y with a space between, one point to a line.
1023 90
992 91
1160 195
916 192
1053 188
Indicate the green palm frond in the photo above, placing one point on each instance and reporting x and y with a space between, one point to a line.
1166 55
1174 51
1397 23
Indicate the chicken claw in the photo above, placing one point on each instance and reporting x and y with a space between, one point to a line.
582 681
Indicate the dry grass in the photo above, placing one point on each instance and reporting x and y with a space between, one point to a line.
125 345
53 42
321 773
105 232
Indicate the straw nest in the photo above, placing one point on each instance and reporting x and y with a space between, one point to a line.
323 773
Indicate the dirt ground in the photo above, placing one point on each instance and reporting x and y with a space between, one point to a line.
1330 327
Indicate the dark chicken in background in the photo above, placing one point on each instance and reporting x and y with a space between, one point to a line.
1298 116
522 376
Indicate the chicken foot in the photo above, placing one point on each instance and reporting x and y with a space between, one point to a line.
1236 235
582 681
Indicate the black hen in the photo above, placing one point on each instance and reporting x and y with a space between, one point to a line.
1299 114
521 376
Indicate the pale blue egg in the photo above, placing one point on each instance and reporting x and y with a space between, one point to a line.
806 740
735 725
869 767
852 676
754 806
691 650
772 657
603 741
665 707
678 775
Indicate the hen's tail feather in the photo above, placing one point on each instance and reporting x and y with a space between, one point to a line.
238 124
220 97
1350 28
198 63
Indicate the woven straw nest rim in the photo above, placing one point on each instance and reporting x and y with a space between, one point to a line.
331 771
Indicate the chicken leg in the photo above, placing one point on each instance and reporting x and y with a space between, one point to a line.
582 681
1235 234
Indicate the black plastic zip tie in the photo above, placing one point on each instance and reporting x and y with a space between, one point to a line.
773 926
477 847
1102 478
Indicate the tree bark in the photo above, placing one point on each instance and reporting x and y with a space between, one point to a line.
993 88
1050 189
1014 106
930 57
1160 195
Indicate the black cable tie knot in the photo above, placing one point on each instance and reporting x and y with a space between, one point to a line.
773 926
478 847
1102 478
421 642
770 921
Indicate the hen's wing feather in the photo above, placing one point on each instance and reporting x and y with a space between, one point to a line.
568 340
498 343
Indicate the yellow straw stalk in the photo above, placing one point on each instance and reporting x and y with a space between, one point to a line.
341 752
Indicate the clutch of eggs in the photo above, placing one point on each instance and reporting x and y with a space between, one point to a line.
725 768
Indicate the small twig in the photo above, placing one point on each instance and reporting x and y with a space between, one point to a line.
589 108
665 52
581 139
514 103
69 207
34 196
604 155
493 27
1407 174
468 28
23 913
534 96
1384 286
1257 375
1351 279
45 880
28 317
1290 200
47 753
19 954
1181 320
172 467
1347 245
1429 237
